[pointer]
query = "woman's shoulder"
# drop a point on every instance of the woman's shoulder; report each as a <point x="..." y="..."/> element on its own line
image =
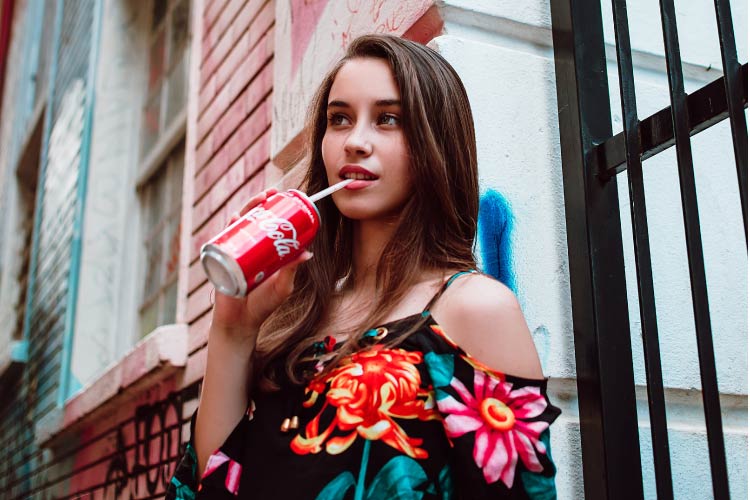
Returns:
<point x="484" y="317"/>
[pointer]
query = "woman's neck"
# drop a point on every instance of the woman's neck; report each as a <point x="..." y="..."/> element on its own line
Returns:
<point x="369" y="240"/>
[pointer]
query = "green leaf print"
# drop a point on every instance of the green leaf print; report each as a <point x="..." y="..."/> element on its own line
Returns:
<point x="537" y="486"/>
<point x="402" y="478"/>
<point x="440" y="367"/>
<point x="398" y="480"/>
<point x="338" y="488"/>
<point x="445" y="480"/>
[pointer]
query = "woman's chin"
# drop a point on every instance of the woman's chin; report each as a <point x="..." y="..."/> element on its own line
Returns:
<point x="366" y="208"/>
<point x="363" y="214"/>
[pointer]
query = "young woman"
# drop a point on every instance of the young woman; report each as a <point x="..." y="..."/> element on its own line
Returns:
<point x="379" y="364"/>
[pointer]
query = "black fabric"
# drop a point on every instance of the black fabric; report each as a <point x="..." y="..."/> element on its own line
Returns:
<point x="420" y="420"/>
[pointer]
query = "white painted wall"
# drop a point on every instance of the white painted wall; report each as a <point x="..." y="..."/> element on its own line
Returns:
<point x="503" y="51"/>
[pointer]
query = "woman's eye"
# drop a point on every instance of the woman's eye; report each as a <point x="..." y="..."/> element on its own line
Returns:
<point x="338" y="119"/>
<point x="388" y="119"/>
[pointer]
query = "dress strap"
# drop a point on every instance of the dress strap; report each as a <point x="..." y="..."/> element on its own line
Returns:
<point x="442" y="290"/>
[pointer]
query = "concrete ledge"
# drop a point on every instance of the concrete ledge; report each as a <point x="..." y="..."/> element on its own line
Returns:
<point x="157" y="356"/>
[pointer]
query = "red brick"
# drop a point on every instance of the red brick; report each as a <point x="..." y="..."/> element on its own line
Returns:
<point x="199" y="302"/>
<point x="196" y="367"/>
<point x="239" y="142"/>
<point x="426" y="27"/>
<point x="259" y="88"/>
<point x="208" y="175"/>
<point x="204" y="153"/>
<point x="259" y="33"/>
<point x="227" y="184"/>
<point x="225" y="37"/>
<point x="258" y="154"/>
<point x="249" y="131"/>
<point x="248" y="190"/>
<point x="206" y="45"/>
<point x="216" y="53"/>
<point x="198" y="332"/>
<point x="214" y="225"/>
<point x="214" y="58"/>
<point x="260" y="85"/>
<point x="219" y="28"/>
<point x="196" y="276"/>
<point x="212" y="12"/>
<point x="232" y="184"/>
<point x="244" y="38"/>
<point x="207" y="94"/>
<point x="258" y="57"/>
<point x="228" y="123"/>
<point x="201" y="212"/>
<point x="244" y="105"/>
<point x="207" y="120"/>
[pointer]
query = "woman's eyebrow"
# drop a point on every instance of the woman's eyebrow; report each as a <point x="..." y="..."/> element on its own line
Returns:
<point x="380" y="102"/>
<point x="338" y="104"/>
<point x="388" y="102"/>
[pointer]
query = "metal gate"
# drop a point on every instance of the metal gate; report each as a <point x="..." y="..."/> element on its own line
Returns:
<point x="591" y="158"/>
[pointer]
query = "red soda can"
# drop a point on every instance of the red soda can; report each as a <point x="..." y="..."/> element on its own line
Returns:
<point x="258" y="244"/>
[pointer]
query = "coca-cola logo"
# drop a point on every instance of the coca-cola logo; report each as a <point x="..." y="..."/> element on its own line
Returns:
<point x="280" y="230"/>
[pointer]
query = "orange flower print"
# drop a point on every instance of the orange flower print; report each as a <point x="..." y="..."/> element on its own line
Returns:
<point x="369" y="392"/>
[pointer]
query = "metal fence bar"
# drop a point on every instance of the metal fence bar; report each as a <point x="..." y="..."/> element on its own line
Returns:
<point x="695" y="253"/>
<point x="707" y="106"/>
<point x="606" y="393"/>
<point x="732" y="85"/>
<point x="647" y="302"/>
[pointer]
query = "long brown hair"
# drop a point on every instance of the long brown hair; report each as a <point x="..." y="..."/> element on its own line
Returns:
<point x="437" y="225"/>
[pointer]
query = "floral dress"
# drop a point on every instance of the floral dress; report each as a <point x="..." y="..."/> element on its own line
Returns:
<point x="419" y="420"/>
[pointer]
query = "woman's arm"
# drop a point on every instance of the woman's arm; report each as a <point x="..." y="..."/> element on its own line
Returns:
<point x="235" y="324"/>
<point x="492" y="397"/>
<point x="484" y="318"/>
<point x="224" y="391"/>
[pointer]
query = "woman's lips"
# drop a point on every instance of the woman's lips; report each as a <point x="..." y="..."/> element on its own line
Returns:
<point x="358" y="184"/>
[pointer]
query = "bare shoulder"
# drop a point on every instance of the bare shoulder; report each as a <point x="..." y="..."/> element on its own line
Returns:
<point x="484" y="318"/>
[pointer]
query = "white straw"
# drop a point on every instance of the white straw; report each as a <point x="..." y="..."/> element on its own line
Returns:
<point x="329" y="190"/>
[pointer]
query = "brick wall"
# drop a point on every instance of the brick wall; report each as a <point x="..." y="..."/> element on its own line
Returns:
<point x="233" y="129"/>
<point x="128" y="446"/>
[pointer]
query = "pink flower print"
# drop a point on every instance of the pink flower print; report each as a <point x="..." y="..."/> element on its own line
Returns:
<point x="498" y="415"/>
<point x="234" y="471"/>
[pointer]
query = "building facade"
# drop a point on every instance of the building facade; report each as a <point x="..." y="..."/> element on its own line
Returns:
<point x="131" y="130"/>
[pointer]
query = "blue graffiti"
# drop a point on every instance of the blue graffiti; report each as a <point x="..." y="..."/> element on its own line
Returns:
<point x="494" y="236"/>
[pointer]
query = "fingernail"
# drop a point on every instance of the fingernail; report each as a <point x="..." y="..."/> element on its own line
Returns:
<point x="309" y="255"/>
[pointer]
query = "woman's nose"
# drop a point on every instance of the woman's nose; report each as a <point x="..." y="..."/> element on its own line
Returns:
<point x="358" y="142"/>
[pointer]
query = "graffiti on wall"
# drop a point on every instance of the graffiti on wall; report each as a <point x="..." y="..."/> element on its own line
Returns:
<point x="494" y="237"/>
<point x="145" y="467"/>
<point x="310" y="35"/>
<point x="137" y="457"/>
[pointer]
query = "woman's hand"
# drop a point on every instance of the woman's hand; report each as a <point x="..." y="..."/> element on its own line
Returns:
<point x="243" y="316"/>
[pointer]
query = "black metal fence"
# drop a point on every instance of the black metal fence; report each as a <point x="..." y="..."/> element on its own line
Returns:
<point x="592" y="156"/>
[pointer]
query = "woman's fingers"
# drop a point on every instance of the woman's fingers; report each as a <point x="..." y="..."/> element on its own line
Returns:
<point x="251" y="203"/>
<point x="284" y="282"/>
<point x="256" y="200"/>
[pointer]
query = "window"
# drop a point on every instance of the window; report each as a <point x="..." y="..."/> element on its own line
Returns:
<point x="162" y="161"/>
<point x="161" y="199"/>
<point x="167" y="72"/>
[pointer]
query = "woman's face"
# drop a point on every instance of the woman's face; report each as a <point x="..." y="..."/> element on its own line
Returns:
<point x="364" y="140"/>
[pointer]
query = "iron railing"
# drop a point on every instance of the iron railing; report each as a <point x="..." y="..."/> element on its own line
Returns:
<point x="592" y="156"/>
